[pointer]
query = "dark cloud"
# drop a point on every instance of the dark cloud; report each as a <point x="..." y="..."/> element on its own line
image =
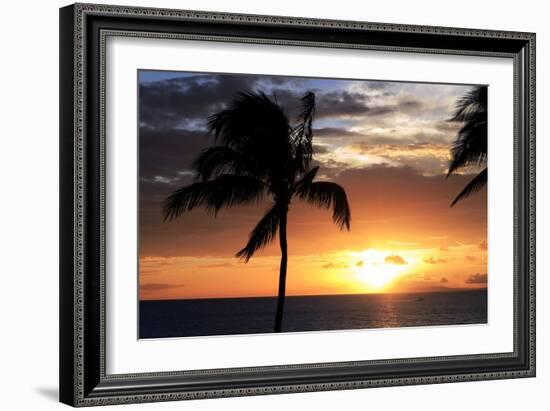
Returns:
<point x="173" y="115"/>
<point x="409" y="105"/>
<point x="341" y="103"/>
<point x="447" y="126"/>
<point x="443" y="280"/>
<point x="333" y="104"/>
<point x="477" y="279"/>
<point x="329" y="163"/>
<point x="335" y="132"/>
<point x="395" y="259"/>
<point x="168" y="153"/>
<point x="382" y="110"/>
<point x="350" y="104"/>
<point x="319" y="149"/>
<point x="188" y="101"/>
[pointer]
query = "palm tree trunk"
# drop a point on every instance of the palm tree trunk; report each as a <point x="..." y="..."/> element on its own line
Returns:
<point x="282" y="271"/>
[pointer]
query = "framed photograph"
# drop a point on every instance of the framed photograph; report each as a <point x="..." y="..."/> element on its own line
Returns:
<point x="261" y="204"/>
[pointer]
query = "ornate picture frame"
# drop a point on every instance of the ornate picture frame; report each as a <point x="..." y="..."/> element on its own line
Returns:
<point x="84" y="30"/>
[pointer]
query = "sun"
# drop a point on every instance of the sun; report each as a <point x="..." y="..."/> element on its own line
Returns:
<point x="379" y="276"/>
<point x="377" y="269"/>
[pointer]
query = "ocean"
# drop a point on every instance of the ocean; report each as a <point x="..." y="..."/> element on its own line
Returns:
<point x="202" y="317"/>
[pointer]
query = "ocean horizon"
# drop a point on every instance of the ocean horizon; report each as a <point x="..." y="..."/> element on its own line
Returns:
<point x="254" y="315"/>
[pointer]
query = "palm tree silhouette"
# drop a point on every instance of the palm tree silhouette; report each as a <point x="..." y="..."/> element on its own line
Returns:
<point x="261" y="154"/>
<point x="470" y="145"/>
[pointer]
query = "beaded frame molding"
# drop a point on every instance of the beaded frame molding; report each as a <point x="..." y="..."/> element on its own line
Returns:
<point x="84" y="29"/>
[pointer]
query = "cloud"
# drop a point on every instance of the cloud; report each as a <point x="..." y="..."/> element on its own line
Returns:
<point x="354" y="104"/>
<point x="166" y="155"/>
<point x="359" y="264"/>
<point x="164" y="180"/>
<point x="402" y="106"/>
<point x="159" y="286"/>
<point x="320" y="149"/>
<point x="476" y="279"/>
<point x="346" y="157"/>
<point x="471" y="258"/>
<point x="336" y="132"/>
<point x="187" y="101"/>
<point x="402" y="123"/>
<point x="342" y="103"/>
<point x="398" y="145"/>
<point x="395" y="259"/>
<point x="443" y="280"/>
<point x="428" y="158"/>
<point x="435" y="260"/>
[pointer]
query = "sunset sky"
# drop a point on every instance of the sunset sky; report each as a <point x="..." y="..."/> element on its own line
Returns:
<point x="386" y="143"/>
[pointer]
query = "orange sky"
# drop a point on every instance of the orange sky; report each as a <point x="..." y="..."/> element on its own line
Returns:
<point x="403" y="238"/>
<point x="403" y="231"/>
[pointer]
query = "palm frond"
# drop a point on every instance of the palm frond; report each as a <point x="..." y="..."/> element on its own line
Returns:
<point x="301" y="185"/>
<point x="258" y="127"/>
<point x="224" y="191"/>
<point x="264" y="232"/>
<point x="476" y="184"/>
<point x="327" y="194"/>
<point x="307" y="114"/>
<point x="470" y="104"/>
<point x="302" y="134"/>
<point x="250" y="119"/>
<point x="470" y="145"/>
<point x="219" y="160"/>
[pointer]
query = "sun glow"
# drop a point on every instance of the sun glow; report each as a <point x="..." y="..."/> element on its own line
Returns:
<point x="377" y="269"/>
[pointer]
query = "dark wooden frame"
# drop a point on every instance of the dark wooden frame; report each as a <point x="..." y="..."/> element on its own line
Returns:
<point x="83" y="30"/>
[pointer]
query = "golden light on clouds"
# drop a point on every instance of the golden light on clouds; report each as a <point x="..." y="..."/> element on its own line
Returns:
<point x="353" y="157"/>
<point x="377" y="269"/>
<point x="397" y="268"/>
